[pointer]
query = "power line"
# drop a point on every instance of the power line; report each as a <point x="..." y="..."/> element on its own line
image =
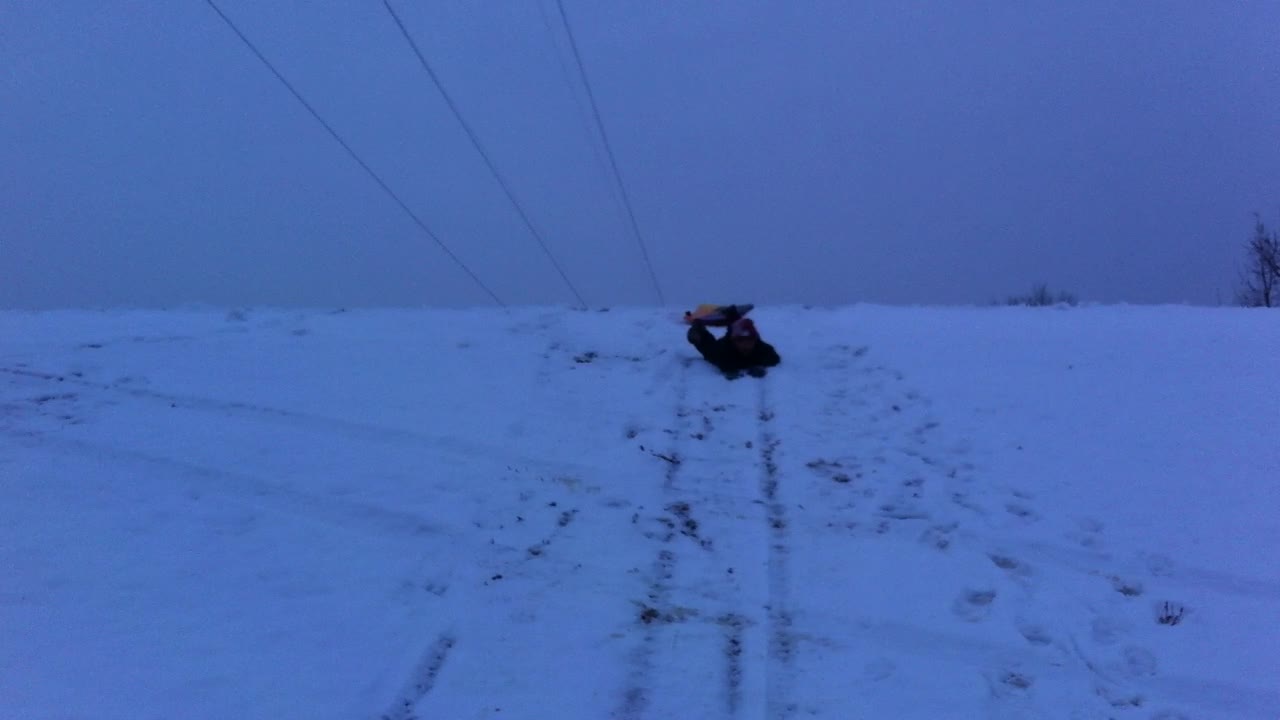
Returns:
<point x="609" y="150"/>
<point x="476" y="142"/>
<point x="596" y="152"/>
<point x="352" y="152"/>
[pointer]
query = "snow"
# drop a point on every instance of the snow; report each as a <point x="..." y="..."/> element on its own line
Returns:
<point x="548" y="513"/>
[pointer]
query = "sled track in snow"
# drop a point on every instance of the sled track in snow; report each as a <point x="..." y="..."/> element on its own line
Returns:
<point x="257" y="492"/>
<point x="354" y="429"/>
<point x="780" y="661"/>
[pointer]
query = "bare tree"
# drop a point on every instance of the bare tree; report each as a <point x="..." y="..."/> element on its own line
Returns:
<point x="1041" y="297"/>
<point x="1260" y="280"/>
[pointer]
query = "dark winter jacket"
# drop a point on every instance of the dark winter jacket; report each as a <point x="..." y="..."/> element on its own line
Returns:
<point x="725" y="355"/>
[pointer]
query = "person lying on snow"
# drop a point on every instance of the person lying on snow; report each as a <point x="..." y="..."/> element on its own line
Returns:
<point x="741" y="348"/>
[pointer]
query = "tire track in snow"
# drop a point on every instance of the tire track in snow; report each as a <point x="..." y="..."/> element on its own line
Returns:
<point x="734" y="641"/>
<point x="693" y="595"/>
<point x="780" y="661"/>
<point x="421" y="681"/>
<point x="637" y="696"/>
<point x="740" y="634"/>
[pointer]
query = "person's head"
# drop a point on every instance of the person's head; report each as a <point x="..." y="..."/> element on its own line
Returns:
<point x="743" y="334"/>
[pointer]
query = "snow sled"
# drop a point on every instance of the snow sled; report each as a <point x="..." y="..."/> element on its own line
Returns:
<point x="717" y="315"/>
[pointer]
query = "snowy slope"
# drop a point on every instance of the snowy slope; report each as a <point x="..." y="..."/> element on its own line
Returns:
<point x="544" y="513"/>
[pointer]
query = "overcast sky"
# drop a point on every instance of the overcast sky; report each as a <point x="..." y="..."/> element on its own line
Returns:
<point x="784" y="152"/>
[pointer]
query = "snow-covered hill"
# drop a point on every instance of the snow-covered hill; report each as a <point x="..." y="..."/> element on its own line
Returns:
<point x="544" y="513"/>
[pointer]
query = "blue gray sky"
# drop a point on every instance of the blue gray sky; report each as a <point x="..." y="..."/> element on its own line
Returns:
<point x="883" y="151"/>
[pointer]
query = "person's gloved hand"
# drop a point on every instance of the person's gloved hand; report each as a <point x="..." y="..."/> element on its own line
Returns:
<point x="756" y="372"/>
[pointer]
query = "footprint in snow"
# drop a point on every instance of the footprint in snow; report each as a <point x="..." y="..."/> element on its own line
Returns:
<point x="1108" y="630"/>
<point x="1011" y="565"/>
<point x="1118" y="698"/>
<point x="963" y="501"/>
<point x="1088" y="535"/>
<point x="1128" y="588"/>
<point x="1022" y="512"/>
<point x="939" y="536"/>
<point x="1016" y="680"/>
<point x="1035" y="634"/>
<point x="973" y="605"/>
<point x="1139" y="662"/>
<point x="914" y="486"/>
<point x="1087" y="541"/>
<point x="1008" y="684"/>
<point x="902" y="512"/>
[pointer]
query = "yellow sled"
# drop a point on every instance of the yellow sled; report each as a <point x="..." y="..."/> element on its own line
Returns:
<point x="717" y="315"/>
